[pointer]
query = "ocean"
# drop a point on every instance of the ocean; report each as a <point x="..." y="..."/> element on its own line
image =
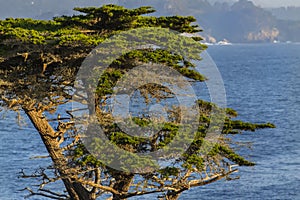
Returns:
<point x="262" y="83"/>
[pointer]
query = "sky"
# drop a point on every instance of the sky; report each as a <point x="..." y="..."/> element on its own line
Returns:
<point x="270" y="3"/>
<point x="277" y="3"/>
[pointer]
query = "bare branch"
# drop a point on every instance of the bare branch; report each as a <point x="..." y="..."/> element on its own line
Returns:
<point x="208" y="180"/>
<point x="74" y="143"/>
<point x="97" y="179"/>
<point x="102" y="187"/>
<point x="51" y="195"/>
<point x="39" y="157"/>
<point x="55" y="119"/>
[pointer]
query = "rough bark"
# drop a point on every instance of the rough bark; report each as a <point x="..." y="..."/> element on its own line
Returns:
<point x="122" y="185"/>
<point x="76" y="190"/>
<point x="172" y="195"/>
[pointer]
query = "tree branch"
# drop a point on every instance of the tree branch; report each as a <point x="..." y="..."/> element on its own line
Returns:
<point x="102" y="187"/>
<point x="196" y="183"/>
<point x="51" y="195"/>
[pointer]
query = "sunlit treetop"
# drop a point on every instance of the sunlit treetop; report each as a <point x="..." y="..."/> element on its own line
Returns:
<point x="89" y="28"/>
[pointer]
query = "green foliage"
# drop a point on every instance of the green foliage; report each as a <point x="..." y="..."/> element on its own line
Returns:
<point x="231" y="155"/>
<point x="89" y="29"/>
<point x="231" y="112"/>
<point x="107" y="81"/>
<point x="112" y="17"/>
<point x="193" y="160"/>
<point x="30" y="24"/>
<point x="177" y="23"/>
<point x="44" y="32"/>
<point x="169" y="171"/>
<point x="236" y="126"/>
<point x="190" y="73"/>
<point x="121" y="138"/>
<point x="83" y="158"/>
<point x="141" y="122"/>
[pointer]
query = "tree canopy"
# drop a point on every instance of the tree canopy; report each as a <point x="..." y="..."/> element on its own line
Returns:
<point x="39" y="63"/>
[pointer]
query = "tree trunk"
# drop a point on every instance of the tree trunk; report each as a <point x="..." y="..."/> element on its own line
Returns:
<point x="122" y="185"/>
<point x="76" y="190"/>
<point x="171" y="195"/>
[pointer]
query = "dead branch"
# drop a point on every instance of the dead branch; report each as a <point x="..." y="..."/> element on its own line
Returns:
<point x="51" y="195"/>
<point x="74" y="143"/>
<point x="56" y="119"/>
<point x="99" y="186"/>
<point x="208" y="180"/>
<point x="97" y="179"/>
<point x="40" y="173"/>
<point x="39" y="157"/>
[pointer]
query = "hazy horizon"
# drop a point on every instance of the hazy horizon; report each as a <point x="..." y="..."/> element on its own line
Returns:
<point x="33" y="8"/>
<point x="267" y="3"/>
<point x="277" y="3"/>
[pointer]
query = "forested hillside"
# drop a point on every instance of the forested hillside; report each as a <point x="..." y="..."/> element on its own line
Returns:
<point x="239" y="22"/>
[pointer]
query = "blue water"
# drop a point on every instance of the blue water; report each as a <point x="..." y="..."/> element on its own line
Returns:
<point x="262" y="83"/>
